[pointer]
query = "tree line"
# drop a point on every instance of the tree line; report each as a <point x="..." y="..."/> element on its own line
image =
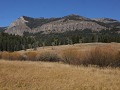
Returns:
<point x="29" y="40"/>
<point x="15" y="42"/>
<point x="77" y="36"/>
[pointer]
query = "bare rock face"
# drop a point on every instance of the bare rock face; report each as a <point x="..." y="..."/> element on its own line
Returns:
<point x="56" y="25"/>
<point x="18" y="27"/>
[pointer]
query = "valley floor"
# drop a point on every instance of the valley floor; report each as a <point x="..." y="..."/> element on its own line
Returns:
<point x="27" y="75"/>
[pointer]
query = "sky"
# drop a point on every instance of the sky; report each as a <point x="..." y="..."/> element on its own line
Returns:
<point x="10" y="10"/>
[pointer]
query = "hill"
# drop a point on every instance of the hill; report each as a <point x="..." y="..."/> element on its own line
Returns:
<point x="59" y="25"/>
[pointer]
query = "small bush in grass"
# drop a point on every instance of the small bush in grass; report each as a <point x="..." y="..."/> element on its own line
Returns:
<point x="23" y="57"/>
<point x="15" y="56"/>
<point x="0" y="55"/>
<point x="31" y="56"/>
<point x="47" y="56"/>
<point x="5" y="55"/>
<point x="116" y="63"/>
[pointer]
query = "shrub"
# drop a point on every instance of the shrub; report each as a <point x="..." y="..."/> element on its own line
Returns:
<point x="103" y="56"/>
<point x="23" y="57"/>
<point x="0" y="55"/>
<point x="71" y="56"/>
<point x="100" y="56"/>
<point x="5" y="55"/>
<point x="47" y="56"/>
<point x="116" y="63"/>
<point x="15" y="56"/>
<point x="31" y="56"/>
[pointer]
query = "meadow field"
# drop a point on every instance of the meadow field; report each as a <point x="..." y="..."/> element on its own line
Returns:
<point x="91" y="66"/>
<point x="27" y="75"/>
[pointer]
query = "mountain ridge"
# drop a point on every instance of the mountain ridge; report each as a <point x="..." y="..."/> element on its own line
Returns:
<point x="59" y="25"/>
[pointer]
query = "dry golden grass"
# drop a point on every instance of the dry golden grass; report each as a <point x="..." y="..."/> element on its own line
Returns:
<point x="81" y="47"/>
<point x="16" y="75"/>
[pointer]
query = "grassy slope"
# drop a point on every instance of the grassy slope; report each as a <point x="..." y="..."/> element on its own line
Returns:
<point x="81" y="47"/>
<point x="16" y="75"/>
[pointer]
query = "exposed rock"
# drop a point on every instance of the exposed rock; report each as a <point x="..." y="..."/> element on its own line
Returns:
<point x="70" y="25"/>
<point x="18" y="27"/>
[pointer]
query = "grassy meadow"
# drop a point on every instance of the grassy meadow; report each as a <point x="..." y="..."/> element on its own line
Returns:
<point x="17" y="75"/>
<point x="92" y="66"/>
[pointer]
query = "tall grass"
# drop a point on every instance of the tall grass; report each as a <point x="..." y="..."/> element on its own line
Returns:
<point x="56" y="76"/>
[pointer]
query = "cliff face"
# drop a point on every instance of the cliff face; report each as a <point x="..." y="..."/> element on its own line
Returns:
<point x="56" y="25"/>
<point x="18" y="27"/>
